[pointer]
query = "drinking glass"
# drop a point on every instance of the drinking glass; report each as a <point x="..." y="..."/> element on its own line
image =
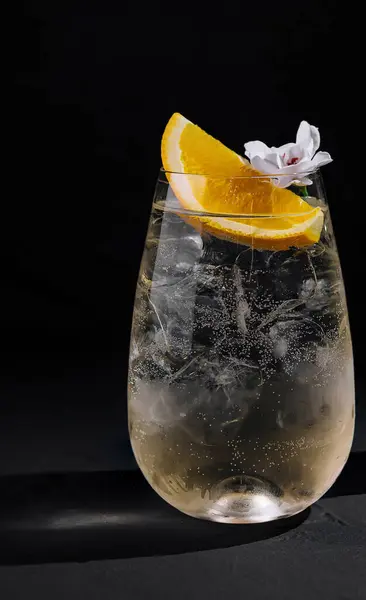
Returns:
<point x="241" y="387"/>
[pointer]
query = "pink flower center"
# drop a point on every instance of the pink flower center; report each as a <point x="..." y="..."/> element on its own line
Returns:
<point x="291" y="161"/>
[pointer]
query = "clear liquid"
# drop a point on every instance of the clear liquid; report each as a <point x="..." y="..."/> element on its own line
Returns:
<point x="241" y="397"/>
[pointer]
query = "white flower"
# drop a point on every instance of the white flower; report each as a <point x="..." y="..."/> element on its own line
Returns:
<point x="293" y="161"/>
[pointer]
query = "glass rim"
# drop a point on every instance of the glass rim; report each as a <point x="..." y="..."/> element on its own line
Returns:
<point x="206" y="214"/>
<point x="297" y="174"/>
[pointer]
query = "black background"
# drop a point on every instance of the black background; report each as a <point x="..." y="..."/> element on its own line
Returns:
<point x="95" y="84"/>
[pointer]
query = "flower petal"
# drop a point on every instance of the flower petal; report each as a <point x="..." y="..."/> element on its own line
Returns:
<point x="275" y="159"/>
<point x="283" y="181"/>
<point x="297" y="173"/>
<point x="296" y="152"/>
<point x="264" y="165"/>
<point x="306" y="181"/>
<point x="303" y="166"/>
<point x="308" y="138"/>
<point x="283" y="153"/>
<point x="269" y="168"/>
<point x="301" y="171"/>
<point x="321" y="158"/>
<point x="256" y="148"/>
<point x="284" y="149"/>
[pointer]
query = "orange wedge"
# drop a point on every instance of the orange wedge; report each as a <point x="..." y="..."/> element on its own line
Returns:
<point x="208" y="177"/>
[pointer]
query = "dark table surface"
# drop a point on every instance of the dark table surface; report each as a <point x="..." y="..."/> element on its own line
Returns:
<point x="77" y="519"/>
<point x="322" y="557"/>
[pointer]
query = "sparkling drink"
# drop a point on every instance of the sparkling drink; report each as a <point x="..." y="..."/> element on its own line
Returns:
<point x="241" y="394"/>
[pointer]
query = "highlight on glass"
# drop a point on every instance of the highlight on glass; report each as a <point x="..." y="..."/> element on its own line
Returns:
<point x="241" y="388"/>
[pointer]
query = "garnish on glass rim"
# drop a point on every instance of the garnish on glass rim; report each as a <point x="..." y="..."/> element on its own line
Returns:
<point x="228" y="185"/>
<point x="293" y="161"/>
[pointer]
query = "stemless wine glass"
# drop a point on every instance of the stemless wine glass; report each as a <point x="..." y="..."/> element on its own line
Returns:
<point x="241" y="388"/>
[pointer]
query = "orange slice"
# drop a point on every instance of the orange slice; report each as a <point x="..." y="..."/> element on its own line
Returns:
<point x="208" y="177"/>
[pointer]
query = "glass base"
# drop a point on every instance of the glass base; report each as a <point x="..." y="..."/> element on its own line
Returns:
<point x="247" y="499"/>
